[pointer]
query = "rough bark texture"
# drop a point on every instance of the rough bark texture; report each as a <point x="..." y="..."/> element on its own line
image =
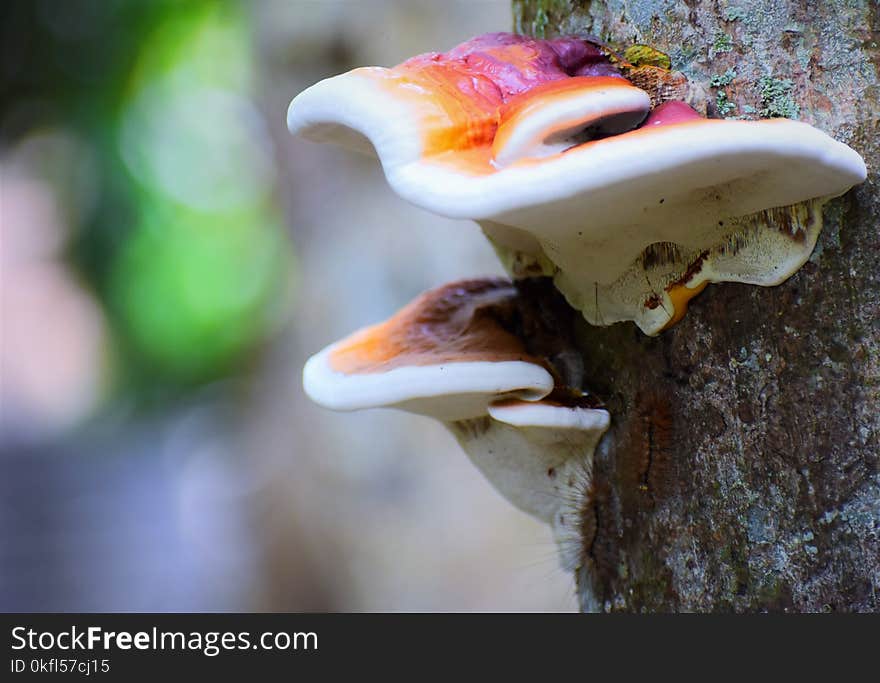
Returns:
<point x="741" y="470"/>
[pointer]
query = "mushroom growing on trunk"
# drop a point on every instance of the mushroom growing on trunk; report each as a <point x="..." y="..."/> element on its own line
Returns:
<point x="548" y="147"/>
<point x="454" y="354"/>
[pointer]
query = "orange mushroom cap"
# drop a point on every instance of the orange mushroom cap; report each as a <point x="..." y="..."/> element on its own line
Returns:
<point x="445" y="354"/>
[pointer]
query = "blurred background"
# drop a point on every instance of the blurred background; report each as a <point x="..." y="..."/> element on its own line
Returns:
<point x="170" y="258"/>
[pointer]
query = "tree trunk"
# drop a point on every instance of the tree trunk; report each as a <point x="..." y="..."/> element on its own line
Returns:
<point x="741" y="469"/>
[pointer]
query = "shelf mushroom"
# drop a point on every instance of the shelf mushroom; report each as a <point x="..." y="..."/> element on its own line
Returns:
<point x="451" y="354"/>
<point x="558" y="159"/>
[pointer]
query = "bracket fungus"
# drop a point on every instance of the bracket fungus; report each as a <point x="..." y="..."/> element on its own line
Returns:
<point x="556" y="155"/>
<point x="453" y="354"/>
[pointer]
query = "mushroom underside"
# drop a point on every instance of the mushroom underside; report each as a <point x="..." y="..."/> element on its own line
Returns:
<point x="544" y="472"/>
<point x="652" y="289"/>
<point x="491" y="361"/>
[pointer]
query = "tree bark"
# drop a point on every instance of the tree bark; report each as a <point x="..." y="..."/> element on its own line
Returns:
<point x="741" y="469"/>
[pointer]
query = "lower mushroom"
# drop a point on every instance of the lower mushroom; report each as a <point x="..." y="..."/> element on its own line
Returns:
<point x="453" y="354"/>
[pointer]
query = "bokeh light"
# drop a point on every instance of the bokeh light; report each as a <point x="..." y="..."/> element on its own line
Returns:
<point x="196" y="290"/>
<point x="170" y="258"/>
<point x="199" y="277"/>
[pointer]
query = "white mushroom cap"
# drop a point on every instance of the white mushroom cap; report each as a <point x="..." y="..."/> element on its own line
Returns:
<point x="447" y="391"/>
<point x="588" y="210"/>
<point x="606" y="200"/>
<point x="549" y="415"/>
<point x="354" y="110"/>
<point x="443" y="355"/>
<point x="718" y="200"/>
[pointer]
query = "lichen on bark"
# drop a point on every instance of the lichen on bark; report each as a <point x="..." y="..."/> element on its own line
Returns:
<point x="741" y="469"/>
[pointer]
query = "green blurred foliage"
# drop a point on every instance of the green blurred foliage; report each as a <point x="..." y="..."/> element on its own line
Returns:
<point x="195" y="290"/>
<point x="185" y="245"/>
